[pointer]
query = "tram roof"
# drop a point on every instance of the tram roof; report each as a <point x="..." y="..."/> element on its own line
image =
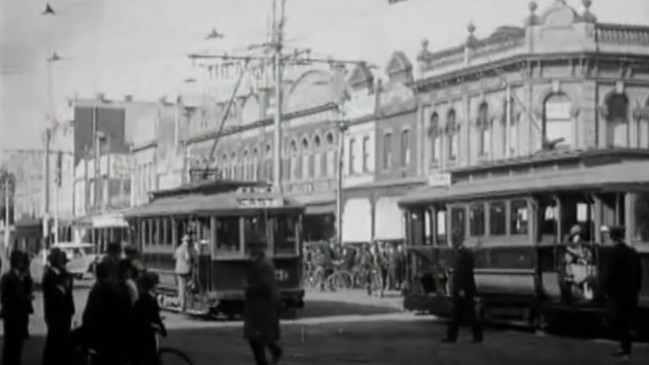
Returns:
<point x="626" y="174"/>
<point x="207" y="186"/>
<point x="225" y="203"/>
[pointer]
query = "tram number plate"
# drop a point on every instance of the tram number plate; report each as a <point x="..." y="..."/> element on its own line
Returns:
<point x="281" y="275"/>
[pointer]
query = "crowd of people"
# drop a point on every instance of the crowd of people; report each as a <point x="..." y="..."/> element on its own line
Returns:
<point x="120" y="322"/>
<point x="379" y="262"/>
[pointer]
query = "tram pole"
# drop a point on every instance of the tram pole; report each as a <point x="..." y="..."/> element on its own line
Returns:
<point x="278" y="31"/>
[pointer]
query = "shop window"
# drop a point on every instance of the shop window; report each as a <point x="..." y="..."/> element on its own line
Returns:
<point x="477" y="220"/>
<point x="497" y="218"/>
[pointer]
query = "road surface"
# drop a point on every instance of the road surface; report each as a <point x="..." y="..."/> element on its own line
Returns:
<point x="350" y="328"/>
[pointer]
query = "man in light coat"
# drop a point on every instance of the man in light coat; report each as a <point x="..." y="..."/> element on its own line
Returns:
<point x="184" y="261"/>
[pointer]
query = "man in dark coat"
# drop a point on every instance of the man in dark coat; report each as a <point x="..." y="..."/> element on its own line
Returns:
<point x="262" y="307"/>
<point x="15" y="290"/>
<point x="107" y="318"/>
<point x="58" y="303"/>
<point x="148" y="323"/>
<point x="623" y="285"/>
<point x="463" y="294"/>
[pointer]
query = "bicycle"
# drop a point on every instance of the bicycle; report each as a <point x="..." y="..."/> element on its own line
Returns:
<point x="165" y="355"/>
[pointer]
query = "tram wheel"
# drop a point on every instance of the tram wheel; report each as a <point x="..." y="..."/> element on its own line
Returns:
<point x="171" y="356"/>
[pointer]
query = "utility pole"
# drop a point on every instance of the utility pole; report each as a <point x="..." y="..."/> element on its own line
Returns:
<point x="342" y="128"/>
<point x="278" y="37"/>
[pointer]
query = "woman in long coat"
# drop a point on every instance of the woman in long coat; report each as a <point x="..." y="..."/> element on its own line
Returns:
<point x="262" y="308"/>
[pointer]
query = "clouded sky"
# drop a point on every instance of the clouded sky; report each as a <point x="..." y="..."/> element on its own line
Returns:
<point x="140" y="47"/>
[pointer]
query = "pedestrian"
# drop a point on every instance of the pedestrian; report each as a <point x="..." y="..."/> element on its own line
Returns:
<point x="262" y="307"/>
<point x="623" y="285"/>
<point x="58" y="304"/>
<point x="148" y="323"/>
<point x="16" y="297"/>
<point x="110" y="261"/>
<point x="183" y="269"/>
<point x="108" y="317"/>
<point x="463" y="293"/>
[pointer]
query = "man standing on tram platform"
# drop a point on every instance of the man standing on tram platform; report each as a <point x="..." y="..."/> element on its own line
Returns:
<point x="623" y="285"/>
<point x="183" y="269"/>
<point x="463" y="293"/>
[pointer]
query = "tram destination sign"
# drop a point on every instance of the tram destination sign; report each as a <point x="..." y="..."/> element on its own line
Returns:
<point x="252" y="202"/>
<point x="198" y="174"/>
<point x="439" y="180"/>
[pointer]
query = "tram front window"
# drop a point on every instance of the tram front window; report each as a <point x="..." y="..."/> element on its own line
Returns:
<point x="228" y="237"/>
<point x="519" y="217"/>
<point x="477" y="219"/>
<point x="285" y="234"/>
<point x="458" y="221"/>
<point x="254" y="231"/>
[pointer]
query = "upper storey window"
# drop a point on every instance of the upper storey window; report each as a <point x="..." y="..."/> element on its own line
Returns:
<point x="617" y="121"/>
<point x="483" y="125"/>
<point x="452" y="134"/>
<point x="434" y="131"/>
<point x="558" y="124"/>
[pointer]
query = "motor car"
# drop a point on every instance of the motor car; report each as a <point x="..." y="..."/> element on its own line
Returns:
<point x="81" y="259"/>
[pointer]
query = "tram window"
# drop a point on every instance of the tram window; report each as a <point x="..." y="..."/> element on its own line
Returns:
<point x="641" y="233"/>
<point x="519" y="217"/>
<point x="169" y="235"/>
<point x="497" y="219"/>
<point x="458" y="223"/>
<point x="228" y="234"/>
<point x="441" y="227"/>
<point x="156" y="232"/>
<point x="550" y="223"/>
<point x="477" y="219"/>
<point x="285" y="233"/>
<point x="254" y="229"/>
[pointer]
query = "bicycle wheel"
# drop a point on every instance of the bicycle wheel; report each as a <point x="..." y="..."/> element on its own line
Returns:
<point x="171" y="356"/>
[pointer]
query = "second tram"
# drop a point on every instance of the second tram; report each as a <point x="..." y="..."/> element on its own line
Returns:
<point x="221" y="219"/>
<point x="517" y="216"/>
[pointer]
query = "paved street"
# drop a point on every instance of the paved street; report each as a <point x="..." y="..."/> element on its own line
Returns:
<point x="350" y="328"/>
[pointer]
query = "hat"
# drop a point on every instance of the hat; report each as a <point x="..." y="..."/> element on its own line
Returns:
<point x="149" y="280"/>
<point x="55" y="255"/>
<point x="576" y="229"/>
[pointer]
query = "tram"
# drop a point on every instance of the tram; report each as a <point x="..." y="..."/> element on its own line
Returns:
<point x="516" y="215"/>
<point x="220" y="217"/>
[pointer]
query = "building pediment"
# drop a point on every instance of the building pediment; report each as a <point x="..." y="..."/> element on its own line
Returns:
<point x="361" y="77"/>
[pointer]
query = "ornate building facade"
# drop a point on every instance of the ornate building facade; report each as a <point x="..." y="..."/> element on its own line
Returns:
<point x="562" y="84"/>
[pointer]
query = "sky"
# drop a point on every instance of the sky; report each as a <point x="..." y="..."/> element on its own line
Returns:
<point x="140" y="47"/>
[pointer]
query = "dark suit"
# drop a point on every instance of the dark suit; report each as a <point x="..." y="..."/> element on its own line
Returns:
<point x="16" y="307"/>
<point x="147" y="319"/>
<point x="623" y="285"/>
<point x="463" y="294"/>
<point x="58" y="303"/>
<point x="262" y="308"/>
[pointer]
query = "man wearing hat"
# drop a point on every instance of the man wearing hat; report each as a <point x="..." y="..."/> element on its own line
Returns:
<point x="262" y="306"/>
<point x="184" y="261"/>
<point x="58" y="303"/>
<point x="16" y="296"/>
<point x="623" y="285"/>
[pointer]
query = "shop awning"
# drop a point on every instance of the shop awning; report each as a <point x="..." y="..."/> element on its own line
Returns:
<point x="624" y="175"/>
<point x="357" y="221"/>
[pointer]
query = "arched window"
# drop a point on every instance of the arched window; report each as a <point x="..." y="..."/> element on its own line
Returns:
<point x="352" y="156"/>
<point x="558" y="127"/>
<point x="329" y="163"/>
<point x="245" y="161"/>
<point x="617" y="121"/>
<point x="255" y="165"/>
<point x="234" y="169"/>
<point x="294" y="162"/>
<point x="434" y="132"/>
<point x="513" y="133"/>
<point x="225" y="171"/>
<point x="317" y="157"/>
<point x="452" y="135"/>
<point x="268" y="161"/>
<point x="483" y="125"/>
<point x="306" y="170"/>
<point x="509" y="131"/>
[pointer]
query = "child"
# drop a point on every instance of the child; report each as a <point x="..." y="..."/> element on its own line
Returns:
<point x="148" y="322"/>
